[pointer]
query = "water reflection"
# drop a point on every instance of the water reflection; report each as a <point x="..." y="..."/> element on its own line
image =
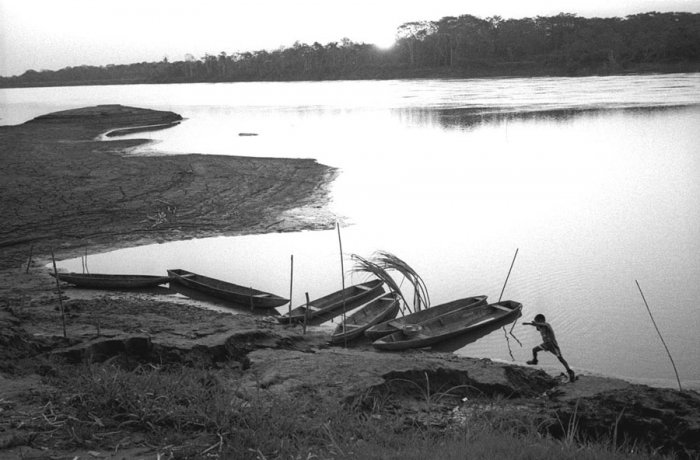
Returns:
<point x="464" y="118"/>
<point x="461" y="341"/>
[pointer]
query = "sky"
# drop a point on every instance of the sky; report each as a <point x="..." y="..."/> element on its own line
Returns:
<point x="52" y="34"/>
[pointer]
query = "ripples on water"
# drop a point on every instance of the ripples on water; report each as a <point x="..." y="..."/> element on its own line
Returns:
<point x="593" y="179"/>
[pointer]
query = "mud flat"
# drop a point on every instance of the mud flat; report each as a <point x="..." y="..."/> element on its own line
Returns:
<point x="62" y="188"/>
<point x="60" y="394"/>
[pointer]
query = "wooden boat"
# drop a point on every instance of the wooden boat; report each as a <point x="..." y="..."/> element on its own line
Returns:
<point x="389" y="327"/>
<point x="244" y="296"/>
<point x="448" y="325"/>
<point x="331" y="305"/>
<point x="373" y="312"/>
<point x="105" y="281"/>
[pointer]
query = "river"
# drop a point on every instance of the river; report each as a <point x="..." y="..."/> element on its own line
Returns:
<point x="593" y="180"/>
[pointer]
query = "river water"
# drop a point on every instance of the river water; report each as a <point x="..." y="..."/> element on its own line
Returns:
<point x="593" y="180"/>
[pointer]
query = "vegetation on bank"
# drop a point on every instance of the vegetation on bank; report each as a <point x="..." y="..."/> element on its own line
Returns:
<point x="464" y="46"/>
<point x="194" y="413"/>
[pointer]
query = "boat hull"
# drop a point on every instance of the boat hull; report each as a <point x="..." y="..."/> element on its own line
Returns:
<point x="244" y="296"/>
<point x="450" y="325"/>
<point x="331" y="305"/>
<point x="373" y="312"/>
<point x="389" y="327"/>
<point x="107" y="281"/>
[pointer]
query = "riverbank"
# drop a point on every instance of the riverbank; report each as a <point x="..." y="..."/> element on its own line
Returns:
<point x="512" y="70"/>
<point x="141" y="374"/>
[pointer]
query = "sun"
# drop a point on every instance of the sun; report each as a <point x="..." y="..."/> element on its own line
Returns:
<point x="384" y="42"/>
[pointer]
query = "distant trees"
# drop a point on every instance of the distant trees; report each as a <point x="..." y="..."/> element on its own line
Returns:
<point x="464" y="45"/>
<point x="564" y="43"/>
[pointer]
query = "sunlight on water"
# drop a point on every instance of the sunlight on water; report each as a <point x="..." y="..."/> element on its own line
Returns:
<point x="453" y="176"/>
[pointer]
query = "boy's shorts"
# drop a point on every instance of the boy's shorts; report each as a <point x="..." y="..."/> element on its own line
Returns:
<point x="550" y="347"/>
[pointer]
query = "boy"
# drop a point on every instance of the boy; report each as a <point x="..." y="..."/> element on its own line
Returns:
<point x="549" y="343"/>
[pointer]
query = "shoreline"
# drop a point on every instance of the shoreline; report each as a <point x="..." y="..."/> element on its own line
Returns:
<point x="138" y="200"/>
<point x="419" y="73"/>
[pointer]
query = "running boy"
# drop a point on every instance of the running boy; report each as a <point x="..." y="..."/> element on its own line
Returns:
<point x="549" y="343"/>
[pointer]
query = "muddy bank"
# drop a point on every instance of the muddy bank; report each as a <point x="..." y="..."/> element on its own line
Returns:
<point x="61" y="188"/>
<point x="264" y="361"/>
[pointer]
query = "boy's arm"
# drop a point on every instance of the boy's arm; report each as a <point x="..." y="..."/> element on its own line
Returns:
<point x="535" y="323"/>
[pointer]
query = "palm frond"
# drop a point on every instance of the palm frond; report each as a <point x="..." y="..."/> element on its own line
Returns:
<point x="389" y="261"/>
<point x="367" y="266"/>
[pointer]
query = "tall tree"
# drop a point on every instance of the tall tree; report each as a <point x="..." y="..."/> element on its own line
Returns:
<point x="411" y="34"/>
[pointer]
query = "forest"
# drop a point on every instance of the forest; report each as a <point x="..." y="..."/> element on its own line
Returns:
<point x="462" y="46"/>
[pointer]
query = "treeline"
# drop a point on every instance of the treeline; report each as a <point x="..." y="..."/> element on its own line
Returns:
<point x="452" y="46"/>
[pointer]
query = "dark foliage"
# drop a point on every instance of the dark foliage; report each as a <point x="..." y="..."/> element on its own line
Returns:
<point x="450" y="47"/>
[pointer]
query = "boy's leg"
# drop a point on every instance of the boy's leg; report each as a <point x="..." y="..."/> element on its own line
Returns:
<point x="557" y="353"/>
<point x="566" y="365"/>
<point x="535" y="350"/>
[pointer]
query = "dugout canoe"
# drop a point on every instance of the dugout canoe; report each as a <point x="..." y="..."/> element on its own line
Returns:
<point x="244" y="296"/>
<point x="449" y="325"/>
<point x="373" y="312"/>
<point x="108" y="281"/>
<point x="331" y="305"/>
<point x="397" y="324"/>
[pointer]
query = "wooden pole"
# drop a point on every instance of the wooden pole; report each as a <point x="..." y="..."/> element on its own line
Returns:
<point x="509" y="270"/>
<point x="306" y="313"/>
<point x="60" y="295"/>
<point x="252" y="307"/>
<point x="342" y="277"/>
<point x="660" y="336"/>
<point x="291" y="284"/>
<point x="499" y="299"/>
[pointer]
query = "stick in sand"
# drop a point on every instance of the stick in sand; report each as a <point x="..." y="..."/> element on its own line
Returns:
<point x="60" y="295"/>
<point x="306" y="313"/>
<point x="291" y="284"/>
<point x="342" y="276"/>
<point x="660" y="336"/>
